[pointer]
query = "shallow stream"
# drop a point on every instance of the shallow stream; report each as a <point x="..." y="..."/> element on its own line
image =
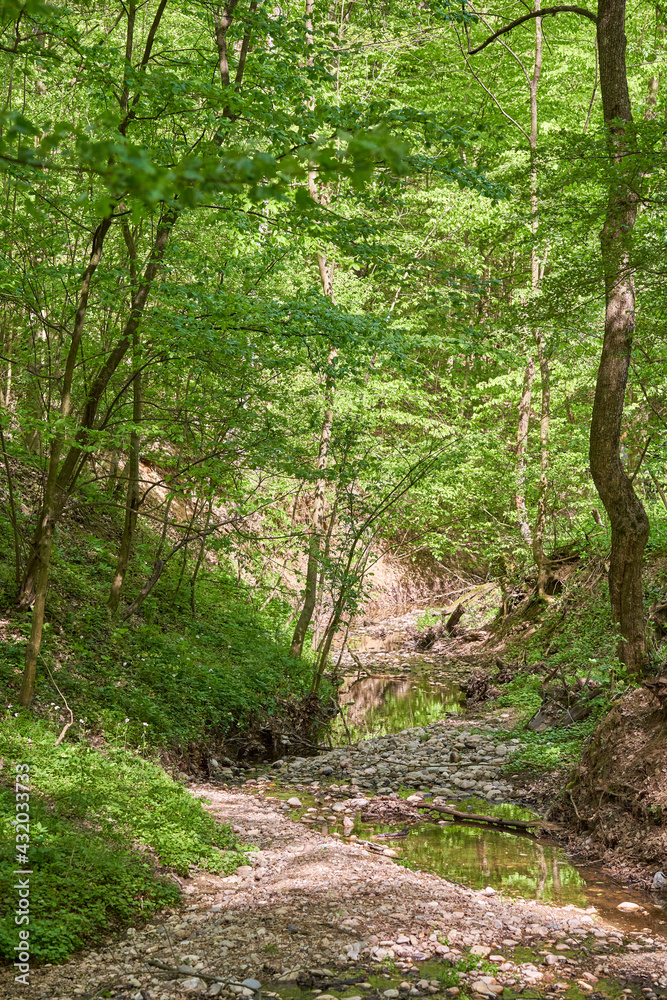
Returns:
<point x="399" y="689"/>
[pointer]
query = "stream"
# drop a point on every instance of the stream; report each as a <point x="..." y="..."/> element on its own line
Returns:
<point x="392" y="690"/>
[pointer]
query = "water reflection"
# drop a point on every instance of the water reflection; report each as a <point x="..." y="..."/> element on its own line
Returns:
<point x="387" y="704"/>
<point x="514" y="865"/>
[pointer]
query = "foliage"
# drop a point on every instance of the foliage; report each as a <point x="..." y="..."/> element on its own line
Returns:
<point x="170" y="680"/>
<point x="101" y="820"/>
<point x="554" y="748"/>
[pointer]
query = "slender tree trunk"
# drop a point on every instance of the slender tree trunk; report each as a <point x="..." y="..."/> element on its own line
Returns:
<point x="629" y="523"/>
<point x="541" y="518"/>
<point x="133" y="496"/>
<point x="315" y="541"/>
<point x="186" y="540"/>
<point x="60" y="479"/>
<point x="200" y="557"/>
<point x="76" y="456"/>
<point x="43" y="542"/>
<point x="521" y="442"/>
<point x="529" y="373"/>
<point x="545" y="374"/>
<point x="158" y="566"/>
<point x="320" y="585"/>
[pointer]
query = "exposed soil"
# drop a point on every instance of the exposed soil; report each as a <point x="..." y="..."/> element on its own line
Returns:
<point x="616" y="801"/>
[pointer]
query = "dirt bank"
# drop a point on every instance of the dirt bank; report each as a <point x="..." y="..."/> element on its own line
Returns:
<point x="616" y="799"/>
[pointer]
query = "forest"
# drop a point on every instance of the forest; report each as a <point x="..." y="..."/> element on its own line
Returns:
<point x="332" y="353"/>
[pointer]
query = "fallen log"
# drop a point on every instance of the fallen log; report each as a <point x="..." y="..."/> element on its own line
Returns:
<point x="526" y="825"/>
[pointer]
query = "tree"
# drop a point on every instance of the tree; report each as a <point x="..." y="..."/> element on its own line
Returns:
<point x="629" y="523"/>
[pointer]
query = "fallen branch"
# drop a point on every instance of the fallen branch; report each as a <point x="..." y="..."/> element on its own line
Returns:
<point x="370" y="846"/>
<point x="187" y="970"/>
<point x="71" y="713"/>
<point x="399" y="835"/>
<point x="527" y="825"/>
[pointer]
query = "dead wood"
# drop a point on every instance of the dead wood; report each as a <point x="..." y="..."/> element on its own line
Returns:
<point x="527" y="825"/>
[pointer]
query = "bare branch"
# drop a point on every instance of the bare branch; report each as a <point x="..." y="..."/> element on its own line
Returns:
<point x="535" y="13"/>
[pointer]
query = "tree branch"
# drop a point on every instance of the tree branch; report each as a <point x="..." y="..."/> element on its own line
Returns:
<point x="527" y="17"/>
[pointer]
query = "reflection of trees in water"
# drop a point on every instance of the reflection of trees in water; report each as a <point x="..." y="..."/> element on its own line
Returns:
<point x="515" y="864"/>
<point x="371" y="693"/>
<point x="401" y="700"/>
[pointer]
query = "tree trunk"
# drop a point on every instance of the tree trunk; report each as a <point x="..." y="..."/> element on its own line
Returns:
<point x="545" y="374"/>
<point x="200" y="557"/>
<point x="541" y="518"/>
<point x="521" y="442"/>
<point x="38" y="567"/>
<point x="315" y="542"/>
<point x="314" y="545"/>
<point x="629" y="523"/>
<point x="60" y="479"/>
<point x="133" y="498"/>
<point x="76" y="456"/>
<point x="41" y="580"/>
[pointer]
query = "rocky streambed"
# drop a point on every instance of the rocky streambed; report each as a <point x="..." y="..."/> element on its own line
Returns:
<point x="444" y="758"/>
<point x="311" y="917"/>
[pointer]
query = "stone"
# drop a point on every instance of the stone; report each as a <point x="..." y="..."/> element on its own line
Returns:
<point x="194" y="985"/>
<point x="214" y="989"/>
<point x="480" y="949"/>
<point x="482" y="988"/>
<point x="252" y="984"/>
<point x="659" y="881"/>
<point x="391" y="994"/>
<point x="294" y="802"/>
<point x="628" y="907"/>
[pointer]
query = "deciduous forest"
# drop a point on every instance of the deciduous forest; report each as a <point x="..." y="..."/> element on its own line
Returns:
<point x="333" y="411"/>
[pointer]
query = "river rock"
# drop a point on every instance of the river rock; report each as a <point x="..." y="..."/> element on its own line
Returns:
<point x="194" y="985"/>
<point x="485" y="989"/>
<point x="628" y="907"/>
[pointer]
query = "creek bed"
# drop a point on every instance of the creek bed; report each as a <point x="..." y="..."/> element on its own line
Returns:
<point x="402" y="691"/>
